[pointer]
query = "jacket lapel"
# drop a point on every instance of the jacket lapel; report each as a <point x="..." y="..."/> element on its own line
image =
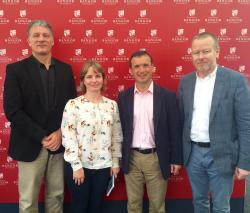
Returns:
<point x="190" y="95"/>
<point x="36" y="78"/>
<point x="57" y="83"/>
<point x="218" y="91"/>
<point x="130" y="105"/>
<point x="156" y="105"/>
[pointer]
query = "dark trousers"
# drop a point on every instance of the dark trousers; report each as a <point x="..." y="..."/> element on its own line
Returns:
<point x="88" y="197"/>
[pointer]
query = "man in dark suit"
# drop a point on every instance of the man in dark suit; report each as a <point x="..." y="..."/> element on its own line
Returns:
<point x="215" y="109"/>
<point x="151" y="148"/>
<point x="36" y="90"/>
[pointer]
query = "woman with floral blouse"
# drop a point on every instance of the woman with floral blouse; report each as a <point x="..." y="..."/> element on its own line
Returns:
<point x="92" y="136"/>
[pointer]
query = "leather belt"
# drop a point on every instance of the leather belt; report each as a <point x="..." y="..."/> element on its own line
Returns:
<point x="202" y="144"/>
<point x="144" y="151"/>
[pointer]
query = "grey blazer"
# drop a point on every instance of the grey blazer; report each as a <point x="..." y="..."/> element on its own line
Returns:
<point x="229" y="119"/>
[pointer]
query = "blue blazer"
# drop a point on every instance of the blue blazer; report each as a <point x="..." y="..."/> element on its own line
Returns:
<point x="229" y="119"/>
<point x="167" y="128"/>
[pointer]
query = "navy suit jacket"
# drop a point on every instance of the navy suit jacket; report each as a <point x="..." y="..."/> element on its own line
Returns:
<point x="24" y="106"/>
<point x="229" y="119"/>
<point x="167" y="127"/>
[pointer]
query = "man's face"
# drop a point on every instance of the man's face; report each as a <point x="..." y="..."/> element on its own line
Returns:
<point x="204" y="55"/>
<point x="142" y="69"/>
<point x="40" y="40"/>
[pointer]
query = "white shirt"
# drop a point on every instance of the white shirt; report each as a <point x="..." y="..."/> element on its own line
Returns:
<point x="203" y="95"/>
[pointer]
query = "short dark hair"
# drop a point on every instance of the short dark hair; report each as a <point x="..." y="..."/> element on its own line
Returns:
<point x="207" y="35"/>
<point x="139" y="53"/>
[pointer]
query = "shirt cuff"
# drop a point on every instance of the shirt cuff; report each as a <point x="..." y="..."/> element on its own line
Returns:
<point x="115" y="163"/>
<point x="76" y="165"/>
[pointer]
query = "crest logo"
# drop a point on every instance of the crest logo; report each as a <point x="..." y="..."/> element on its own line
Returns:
<point x="22" y="13"/>
<point x="202" y="30"/>
<point x="66" y="33"/>
<point x="191" y="12"/>
<point x="12" y="33"/>
<point x="232" y="50"/>
<point x="223" y="31"/>
<point x="243" y="31"/>
<point x="99" y="52"/>
<point x="121" y="51"/>
<point x="2" y="52"/>
<point x="78" y="51"/>
<point x="121" y="13"/>
<point x="180" y="31"/>
<point x="1" y="13"/>
<point x="178" y="69"/>
<point x="9" y="159"/>
<point x="88" y="33"/>
<point x="110" y="33"/>
<point x="1" y="175"/>
<point x="110" y="70"/>
<point x="153" y="32"/>
<point x="25" y="52"/>
<point x="143" y="13"/>
<point x="7" y="124"/>
<point x="235" y="12"/>
<point x="99" y="13"/>
<point x="189" y="50"/>
<point x="242" y="68"/>
<point x="77" y="13"/>
<point x="213" y="12"/>
<point x="131" y="33"/>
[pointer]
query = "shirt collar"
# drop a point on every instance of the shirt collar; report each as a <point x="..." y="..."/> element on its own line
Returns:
<point x="150" y="89"/>
<point x="210" y="75"/>
<point x="41" y="65"/>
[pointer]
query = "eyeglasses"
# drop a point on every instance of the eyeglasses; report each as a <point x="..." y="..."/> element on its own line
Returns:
<point x="203" y="52"/>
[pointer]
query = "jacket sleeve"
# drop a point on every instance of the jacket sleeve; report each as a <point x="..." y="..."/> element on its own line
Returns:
<point x="175" y="131"/>
<point x="73" y="93"/>
<point x="116" y="138"/>
<point x="242" y="118"/>
<point x="14" y="108"/>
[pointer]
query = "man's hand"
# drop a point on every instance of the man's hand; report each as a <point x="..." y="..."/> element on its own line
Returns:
<point x="53" y="141"/>
<point x="78" y="176"/>
<point x="175" y="169"/>
<point x="241" y="173"/>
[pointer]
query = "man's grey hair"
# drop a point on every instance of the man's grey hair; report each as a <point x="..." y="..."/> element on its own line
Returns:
<point x="41" y="23"/>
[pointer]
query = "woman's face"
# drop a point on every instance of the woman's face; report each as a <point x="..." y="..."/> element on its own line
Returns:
<point x="93" y="81"/>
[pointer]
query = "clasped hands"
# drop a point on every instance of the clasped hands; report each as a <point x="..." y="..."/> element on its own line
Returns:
<point x="53" y="141"/>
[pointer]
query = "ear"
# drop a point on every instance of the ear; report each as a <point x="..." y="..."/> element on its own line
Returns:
<point x="28" y="41"/>
<point x="217" y="54"/>
<point x="154" y="69"/>
<point x="130" y="71"/>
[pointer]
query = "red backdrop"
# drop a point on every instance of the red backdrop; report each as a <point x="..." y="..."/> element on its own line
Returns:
<point x="109" y="31"/>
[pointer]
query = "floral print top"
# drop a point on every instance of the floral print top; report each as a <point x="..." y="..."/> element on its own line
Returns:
<point x="91" y="133"/>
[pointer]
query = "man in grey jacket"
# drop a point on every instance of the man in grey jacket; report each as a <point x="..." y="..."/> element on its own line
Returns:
<point x="215" y="110"/>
